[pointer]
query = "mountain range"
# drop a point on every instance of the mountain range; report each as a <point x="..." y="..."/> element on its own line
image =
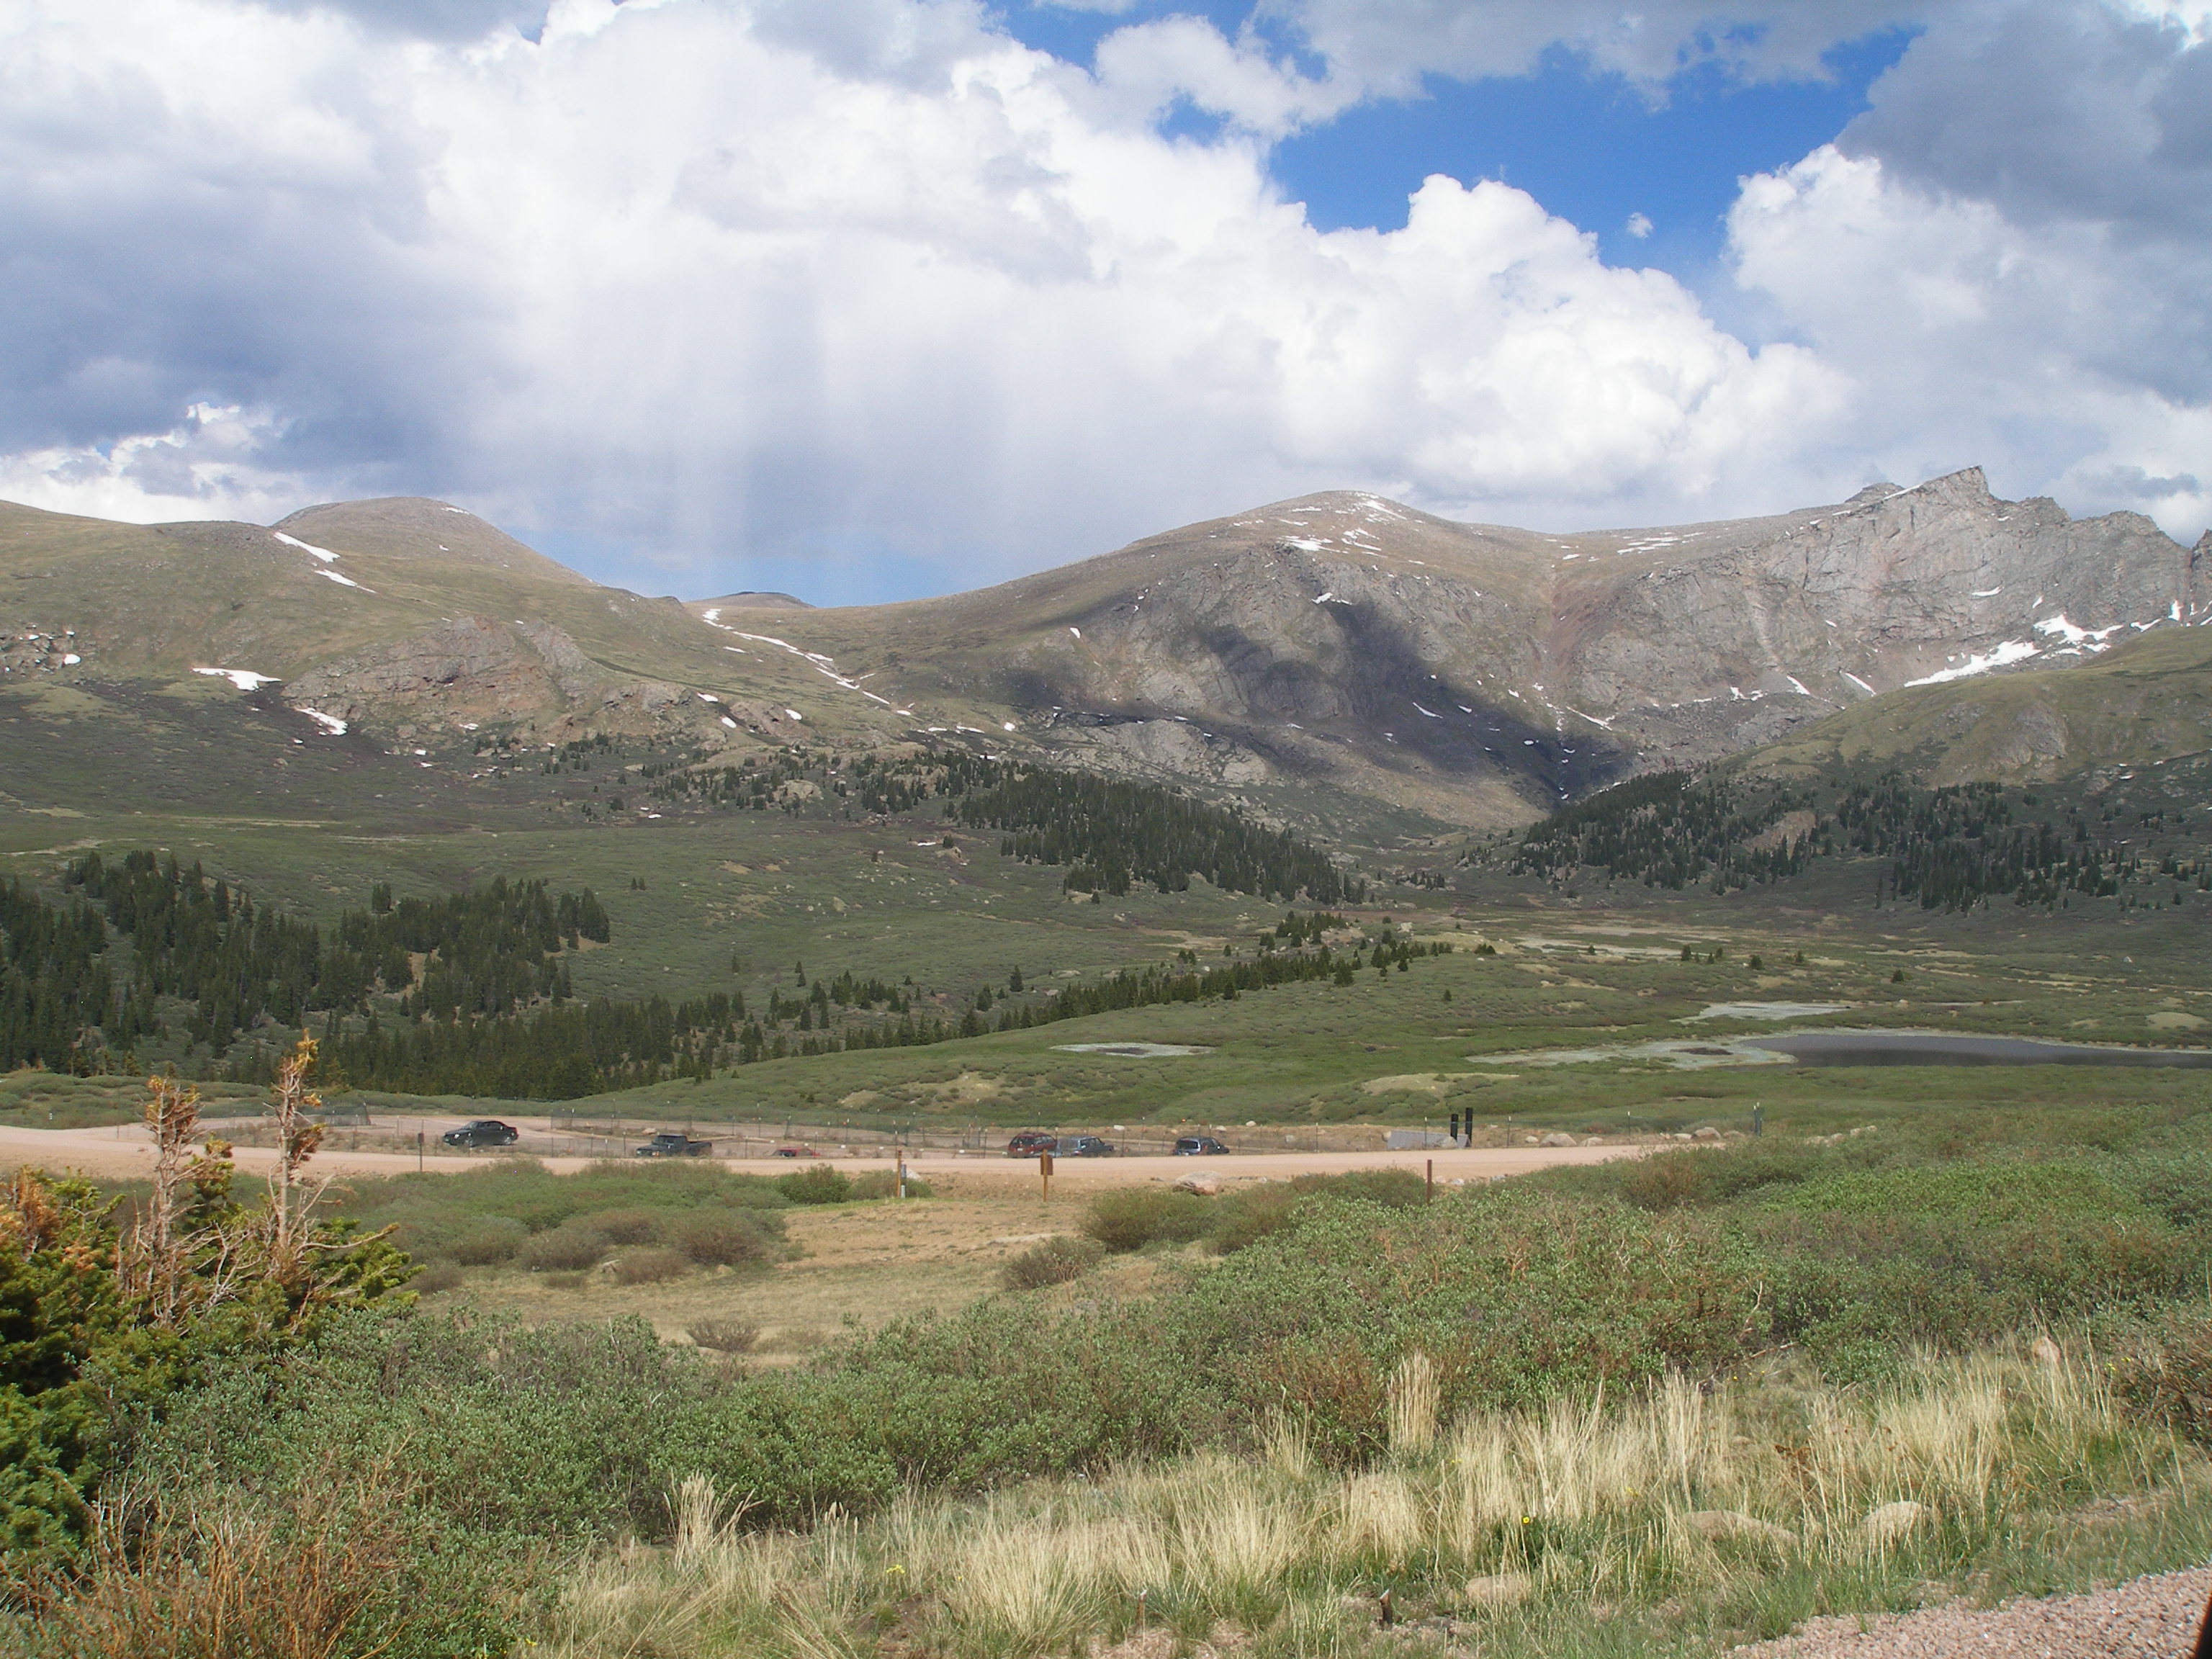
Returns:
<point x="1339" y="646"/>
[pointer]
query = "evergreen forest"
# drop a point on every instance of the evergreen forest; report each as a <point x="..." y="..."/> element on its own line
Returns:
<point x="1950" y="847"/>
<point x="1107" y="832"/>
<point x="471" y="993"/>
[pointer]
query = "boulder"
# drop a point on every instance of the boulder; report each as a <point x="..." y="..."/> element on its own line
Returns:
<point x="1735" y="1527"/>
<point x="1887" y="1523"/>
<point x="1707" y="1133"/>
<point x="1206" y="1185"/>
<point x="1555" y="1139"/>
<point x="1593" y="1141"/>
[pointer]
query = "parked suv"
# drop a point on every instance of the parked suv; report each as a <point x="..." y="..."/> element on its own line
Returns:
<point x="1198" y="1146"/>
<point x="483" y="1132"/>
<point x="1082" y="1146"/>
<point x="1029" y="1143"/>
<point x="674" y="1143"/>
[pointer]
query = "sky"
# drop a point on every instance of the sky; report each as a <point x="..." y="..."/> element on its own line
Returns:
<point x="865" y="300"/>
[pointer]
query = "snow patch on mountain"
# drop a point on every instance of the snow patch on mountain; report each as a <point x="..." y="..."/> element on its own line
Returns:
<point x="322" y="553"/>
<point x="244" y="678"/>
<point x="2010" y="652"/>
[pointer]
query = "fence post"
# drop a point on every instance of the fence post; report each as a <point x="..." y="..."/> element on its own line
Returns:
<point x="1044" y="1168"/>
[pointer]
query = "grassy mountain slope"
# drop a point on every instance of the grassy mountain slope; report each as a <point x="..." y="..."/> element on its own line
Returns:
<point x="412" y="618"/>
<point x="1365" y="669"/>
<point x="2147" y="702"/>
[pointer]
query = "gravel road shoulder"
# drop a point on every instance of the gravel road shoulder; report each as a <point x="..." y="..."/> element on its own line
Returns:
<point x="2154" y="1617"/>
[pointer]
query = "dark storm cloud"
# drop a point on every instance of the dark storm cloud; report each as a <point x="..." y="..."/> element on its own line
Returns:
<point x="2054" y="111"/>
<point x="2074" y="119"/>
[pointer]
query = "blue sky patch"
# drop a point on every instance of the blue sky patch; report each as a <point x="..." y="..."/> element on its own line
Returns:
<point x="1591" y="148"/>
<point x="1653" y="180"/>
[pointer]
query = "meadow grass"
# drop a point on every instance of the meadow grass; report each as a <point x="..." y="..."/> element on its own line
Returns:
<point x="1740" y="1507"/>
<point x="735" y="902"/>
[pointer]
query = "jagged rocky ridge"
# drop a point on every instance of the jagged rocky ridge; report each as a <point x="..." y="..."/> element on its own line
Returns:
<point x="1479" y="673"/>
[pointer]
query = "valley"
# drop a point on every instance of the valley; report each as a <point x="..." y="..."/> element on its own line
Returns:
<point x="1293" y="831"/>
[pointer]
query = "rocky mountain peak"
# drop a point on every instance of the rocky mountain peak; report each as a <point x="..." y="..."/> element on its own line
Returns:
<point x="1879" y="491"/>
<point x="1481" y="671"/>
<point x="1338" y="646"/>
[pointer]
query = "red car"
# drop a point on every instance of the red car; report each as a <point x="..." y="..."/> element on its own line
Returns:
<point x="1029" y="1143"/>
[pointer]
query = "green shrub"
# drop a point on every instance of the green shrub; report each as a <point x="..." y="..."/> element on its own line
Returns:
<point x="541" y="1435"/>
<point x="627" y="1226"/>
<point x="792" y="1446"/>
<point x="1668" y="1180"/>
<point x="1393" y="1189"/>
<point x="733" y="1238"/>
<point x="2164" y="1369"/>
<point x="486" y="1241"/>
<point x="567" y="1248"/>
<point x="1250" y="1213"/>
<point x="725" y="1335"/>
<point x="1055" y="1261"/>
<point x="996" y="1394"/>
<point x="816" y="1184"/>
<point x="2181" y="1191"/>
<point x="83" y="1361"/>
<point x="431" y="1208"/>
<point x="1130" y="1218"/>
<point x="650" y="1265"/>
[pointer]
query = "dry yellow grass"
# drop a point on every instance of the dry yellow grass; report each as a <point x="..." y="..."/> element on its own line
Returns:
<point x="858" y="1264"/>
<point x="1675" y="1492"/>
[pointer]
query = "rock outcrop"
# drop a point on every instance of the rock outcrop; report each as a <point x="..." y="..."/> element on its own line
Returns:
<point x="1486" y="672"/>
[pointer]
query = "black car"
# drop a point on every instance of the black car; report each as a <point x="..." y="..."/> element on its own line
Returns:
<point x="1081" y="1146"/>
<point x="483" y="1132"/>
<point x="1199" y="1147"/>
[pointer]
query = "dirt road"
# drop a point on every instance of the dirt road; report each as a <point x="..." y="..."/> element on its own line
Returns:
<point x="123" y="1151"/>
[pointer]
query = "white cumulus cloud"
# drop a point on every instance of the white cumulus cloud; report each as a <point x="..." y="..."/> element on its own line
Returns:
<point x="692" y="280"/>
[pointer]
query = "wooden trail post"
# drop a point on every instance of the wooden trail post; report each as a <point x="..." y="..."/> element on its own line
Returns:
<point x="1429" y="1191"/>
<point x="1044" y="1169"/>
<point x="418" y="1151"/>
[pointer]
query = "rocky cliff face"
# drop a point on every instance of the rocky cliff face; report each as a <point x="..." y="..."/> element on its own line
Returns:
<point x="1477" y="672"/>
<point x="1482" y="672"/>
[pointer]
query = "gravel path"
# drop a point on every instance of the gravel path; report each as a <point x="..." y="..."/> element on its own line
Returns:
<point x="126" y="1151"/>
<point x="2154" y="1617"/>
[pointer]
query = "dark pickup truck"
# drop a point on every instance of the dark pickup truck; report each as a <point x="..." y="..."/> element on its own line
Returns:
<point x="671" y="1142"/>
